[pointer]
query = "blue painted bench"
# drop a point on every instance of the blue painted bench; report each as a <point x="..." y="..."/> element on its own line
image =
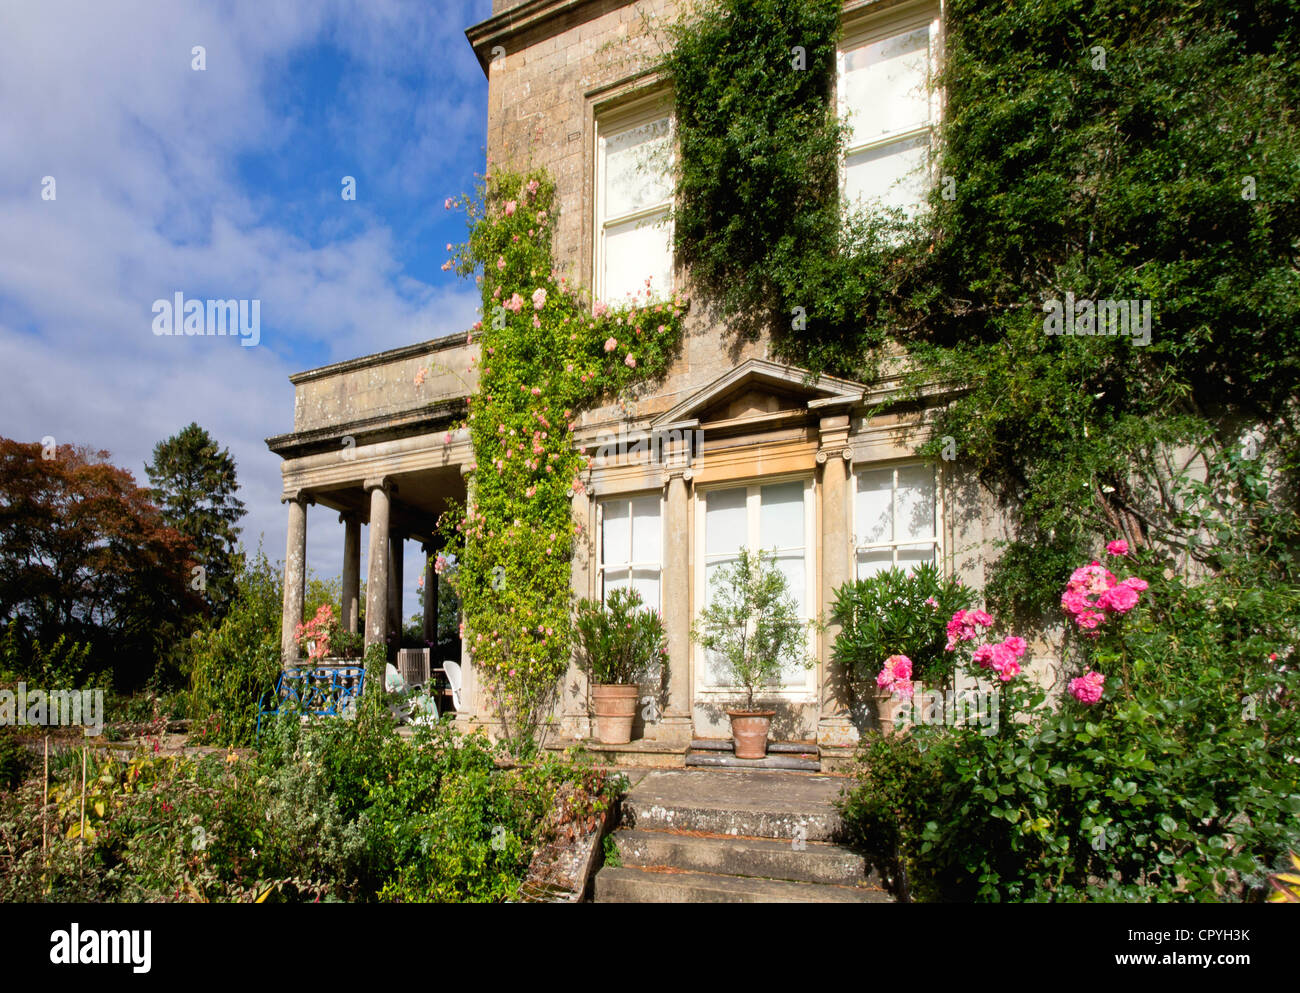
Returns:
<point x="325" y="690"/>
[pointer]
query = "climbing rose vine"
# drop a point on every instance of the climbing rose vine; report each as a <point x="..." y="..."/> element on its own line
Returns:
<point x="546" y="354"/>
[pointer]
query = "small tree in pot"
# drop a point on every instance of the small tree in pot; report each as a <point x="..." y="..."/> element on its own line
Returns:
<point x="620" y="644"/>
<point x="752" y="624"/>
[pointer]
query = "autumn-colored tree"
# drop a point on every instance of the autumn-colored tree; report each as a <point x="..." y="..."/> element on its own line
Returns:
<point x="84" y="552"/>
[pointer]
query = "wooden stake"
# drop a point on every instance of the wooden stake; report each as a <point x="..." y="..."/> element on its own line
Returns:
<point x="81" y="840"/>
<point x="45" y="796"/>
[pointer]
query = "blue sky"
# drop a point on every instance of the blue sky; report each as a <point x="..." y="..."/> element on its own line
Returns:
<point x="225" y="183"/>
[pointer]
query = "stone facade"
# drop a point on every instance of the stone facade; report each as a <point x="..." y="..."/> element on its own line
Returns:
<point x="375" y="446"/>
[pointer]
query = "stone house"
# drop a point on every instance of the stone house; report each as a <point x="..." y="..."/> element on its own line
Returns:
<point x="732" y="449"/>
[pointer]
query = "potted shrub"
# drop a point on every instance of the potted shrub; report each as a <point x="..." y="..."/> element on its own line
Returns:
<point x="620" y="644"/>
<point x="893" y="632"/>
<point x="752" y="625"/>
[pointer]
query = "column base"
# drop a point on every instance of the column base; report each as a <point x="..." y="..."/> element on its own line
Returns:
<point x="669" y="730"/>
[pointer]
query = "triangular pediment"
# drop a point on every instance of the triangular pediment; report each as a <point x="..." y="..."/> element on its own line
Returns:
<point x="758" y="387"/>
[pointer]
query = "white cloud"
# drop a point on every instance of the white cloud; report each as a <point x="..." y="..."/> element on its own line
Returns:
<point x="145" y="153"/>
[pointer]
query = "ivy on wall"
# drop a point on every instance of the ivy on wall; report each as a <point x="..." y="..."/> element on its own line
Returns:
<point x="1114" y="150"/>
<point x="547" y="354"/>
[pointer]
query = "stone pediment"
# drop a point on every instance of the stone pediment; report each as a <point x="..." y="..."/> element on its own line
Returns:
<point x="758" y="388"/>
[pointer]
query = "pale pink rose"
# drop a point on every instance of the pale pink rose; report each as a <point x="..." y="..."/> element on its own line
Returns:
<point x="515" y="303"/>
<point x="610" y="344"/>
<point x="532" y="187"/>
<point x="539" y="298"/>
<point x="600" y="310"/>
<point x="511" y="205"/>
<point x="501" y="262"/>
<point x="630" y="361"/>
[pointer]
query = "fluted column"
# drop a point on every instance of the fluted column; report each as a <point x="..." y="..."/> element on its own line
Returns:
<point x="295" y="574"/>
<point x="834" y="726"/>
<point x="351" y="607"/>
<point x="380" y="491"/>
<point x="676" y="587"/>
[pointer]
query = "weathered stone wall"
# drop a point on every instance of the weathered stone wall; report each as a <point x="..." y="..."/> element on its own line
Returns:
<point x="384" y="385"/>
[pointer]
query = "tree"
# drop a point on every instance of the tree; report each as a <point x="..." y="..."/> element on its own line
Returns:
<point x="84" y="552"/>
<point x="194" y="485"/>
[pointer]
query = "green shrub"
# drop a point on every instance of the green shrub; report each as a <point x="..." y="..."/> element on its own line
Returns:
<point x="619" y="641"/>
<point x="231" y="665"/>
<point x="897" y="613"/>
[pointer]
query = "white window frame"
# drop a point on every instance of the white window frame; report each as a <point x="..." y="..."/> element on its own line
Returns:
<point x="863" y="30"/>
<point x="629" y="566"/>
<point x="625" y="118"/>
<point x="895" y="543"/>
<point x="804" y="689"/>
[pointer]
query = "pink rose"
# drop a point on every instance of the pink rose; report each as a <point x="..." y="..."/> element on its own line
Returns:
<point x="1087" y="688"/>
<point x="1120" y="600"/>
<point x="1016" y="645"/>
<point x="600" y="310"/>
<point x="1117" y="547"/>
<point x="539" y="298"/>
<point x="630" y="361"/>
<point x="610" y="344"/>
<point x="510" y="207"/>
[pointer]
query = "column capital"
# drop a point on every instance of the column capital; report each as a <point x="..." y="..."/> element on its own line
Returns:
<point x="432" y="547"/>
<point x="845" y="453"/>
<point x="301" y="496"/>
<point x="685" y="473"/>
<point x="384" y="483"/>
<point x="349" y="515"/>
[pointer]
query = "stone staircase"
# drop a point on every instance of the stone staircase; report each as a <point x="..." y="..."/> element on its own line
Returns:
<point x="719" y="753"/>
<point x="723" y="836"/>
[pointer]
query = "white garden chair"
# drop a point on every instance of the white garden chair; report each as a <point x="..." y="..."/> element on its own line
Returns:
<point x="452" y="669"/>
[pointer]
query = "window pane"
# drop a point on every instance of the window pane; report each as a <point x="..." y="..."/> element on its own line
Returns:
<point x="615" y="579"/>
<point x="647" y="541"/>
<point x="634" y="252"/>
<point x="910" y="556"/>
<point x="891" y="175"/>
<point x="616" y="533"/>
<point x="873" y="562"/>
<point x="638" y="168"/>
<point x="874" y="508"/>
<point x="646" y="582"/>
<point x="781" y="520"/>
<point x="885" y="86"/>
<point x="914" y="503"/>
<point x="726" y="522"/>
<point x="796" y="577"/>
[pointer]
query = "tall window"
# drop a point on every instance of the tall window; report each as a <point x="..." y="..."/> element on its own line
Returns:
<point x="896" y="518"/>
<point x="631" y="547"/>
<point x="886" y="90"/>
<point x="634" y="189"/>
<point x="775" y="518"/>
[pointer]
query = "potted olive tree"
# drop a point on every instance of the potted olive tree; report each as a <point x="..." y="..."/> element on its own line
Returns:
<point x="752" y="625"/>
<point x="620" y="645"/>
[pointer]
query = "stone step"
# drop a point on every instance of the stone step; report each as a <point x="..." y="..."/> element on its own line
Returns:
<point x="725" y="760"/>
<point x="796" y="861"/>
<point x="781" y="747"/>
<point x="752" y="803"/>
<point x="627" y="884"/>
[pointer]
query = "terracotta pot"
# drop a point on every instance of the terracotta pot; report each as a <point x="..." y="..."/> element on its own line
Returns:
<point x="615" y="706"/>
<point x="749" y="732"/>
<point x="886" y="710"/>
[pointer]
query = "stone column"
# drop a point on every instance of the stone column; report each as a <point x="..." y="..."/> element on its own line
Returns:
<point x="473" y="708"/>
<point x="834" y="726"/>
<point x="396" y="570"/>
<point x="380" y="491"/>
<point x="574" y="714"/>
<point x="295" y="574"/>
<point x="676" y="593"/>
<point x="351" y="608"/>
<point x="431" y="600"/>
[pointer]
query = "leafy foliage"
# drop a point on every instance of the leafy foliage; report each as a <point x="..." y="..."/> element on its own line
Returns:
<point x="752" y="623"/>
<point x="547" y="354"/>
<point x="897" y="613"/>
<point x="619" y="641"/>
<point x="85" y="554"/>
